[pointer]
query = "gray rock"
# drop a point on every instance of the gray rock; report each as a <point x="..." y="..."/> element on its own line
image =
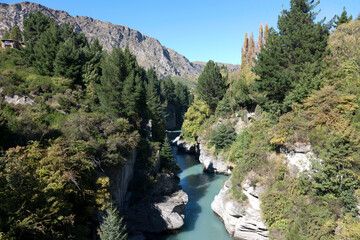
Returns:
<point x="159" y="213"/>
<point x="242" y="221"/>
<point x="184" y="146"/>
<point x="120" y="177"/>
<point x="19" y="100"/>
<point x="299" y="157"/>
<point x="212" y="163"/>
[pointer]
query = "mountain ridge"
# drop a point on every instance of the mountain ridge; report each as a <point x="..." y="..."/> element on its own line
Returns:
<point x="150" y="53"/>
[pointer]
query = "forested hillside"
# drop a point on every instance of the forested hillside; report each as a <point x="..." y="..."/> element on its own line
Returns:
<point x="296" y="94"/>
<point x="67" y="111"/>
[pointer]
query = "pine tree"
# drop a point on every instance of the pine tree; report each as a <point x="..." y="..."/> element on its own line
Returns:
<point x="281" y="67"/>
<point x="34" y="26"/>
<point x="112" y="227"/>
<point x="111" y="82"/>
<point x="128" y="96"/>
<point x="69" y="61"/>
<point x="153" y="95"/>
<point x="15" y="33"/>
<point x="6" y="34"/>
<point x="211" y="85"/>
<point x="342" y="19"/>
<point x="45" y="50"/>
<point x="166" y="155"/>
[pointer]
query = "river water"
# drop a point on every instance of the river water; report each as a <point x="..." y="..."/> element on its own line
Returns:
<point x="200" y="221"/>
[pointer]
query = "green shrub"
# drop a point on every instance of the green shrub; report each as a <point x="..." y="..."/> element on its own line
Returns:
<point x="222" y="137"/>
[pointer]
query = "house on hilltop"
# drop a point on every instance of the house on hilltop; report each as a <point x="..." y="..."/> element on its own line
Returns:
<point x="11" y="43"/>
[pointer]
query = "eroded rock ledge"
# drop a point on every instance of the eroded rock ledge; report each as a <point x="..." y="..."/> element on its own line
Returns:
<point x="163" y="209"/>
<point x="242" y="221"/>
<point x="184" y="146"/>
<point x="211" y="163"/>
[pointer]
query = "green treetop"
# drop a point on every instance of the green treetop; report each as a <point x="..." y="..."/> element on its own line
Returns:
<point x="211" y="85"/>
<point x="291" y="57"/>
<point x="112" y="227"/>
<point x="166" y="155"/>
<point x="15" y="33"/>
<point x="342" y="19"/>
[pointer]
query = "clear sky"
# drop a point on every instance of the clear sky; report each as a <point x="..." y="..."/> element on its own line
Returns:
<point x="198" y="29"/>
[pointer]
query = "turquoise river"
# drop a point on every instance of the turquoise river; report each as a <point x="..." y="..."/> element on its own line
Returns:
<point x="200" y="221"/>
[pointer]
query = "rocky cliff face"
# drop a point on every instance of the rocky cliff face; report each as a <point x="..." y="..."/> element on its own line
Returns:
<point x="242" y="221"/>
<point x="149" y="52"/>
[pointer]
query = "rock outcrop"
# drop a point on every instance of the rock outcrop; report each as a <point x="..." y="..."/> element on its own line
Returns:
<point x="159" y="213"/>
<point x="16" y="99"/>
<point x="242" y="221"/>
<point x="299" y="157"/>
<point x="120" y="178"/>
<point x="212" y="163"/>
<point x="184" y="146"/>
<point x="149" y="52"/>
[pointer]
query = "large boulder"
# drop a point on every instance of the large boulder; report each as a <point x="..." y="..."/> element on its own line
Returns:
<point x="242" y="221"/>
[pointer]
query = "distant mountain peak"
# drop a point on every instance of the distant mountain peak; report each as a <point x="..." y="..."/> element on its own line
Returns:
<point x="149" y="51"/>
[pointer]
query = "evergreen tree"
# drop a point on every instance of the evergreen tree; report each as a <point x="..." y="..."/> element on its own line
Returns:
<point x="168" y="90"/>
<point x="300" y="42"/>
<point x="69" y="61"/>
<point x="153" y="95"/>
<point x="34" y="26"/>
<point x="111" y="82"/>
<point x="15" y="33"/>
<point x="6" y="34"/>
<point x="45" y="50"/>
<point x="166" y="155"/>
<point x="112" y="227"/>
<point x="211" y="85"/>
<point x="128" y="96"/>
<point x="342" y="19"/>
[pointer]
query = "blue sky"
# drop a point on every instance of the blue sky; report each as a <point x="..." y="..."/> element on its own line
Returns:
<point x="198" y="29"/>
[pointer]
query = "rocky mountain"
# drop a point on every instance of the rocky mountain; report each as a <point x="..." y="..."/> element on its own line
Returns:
<point x="149" y="51"/>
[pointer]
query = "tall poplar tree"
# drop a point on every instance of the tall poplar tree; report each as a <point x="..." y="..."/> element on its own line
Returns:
<point x="291" y="58"/>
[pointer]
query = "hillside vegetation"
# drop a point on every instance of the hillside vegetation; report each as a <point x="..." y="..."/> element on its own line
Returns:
<point x="88" y="111"/>
<point x="301" y="84"/>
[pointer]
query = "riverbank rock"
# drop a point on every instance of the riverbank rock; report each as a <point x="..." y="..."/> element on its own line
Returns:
<point x="241" y="221"/>
<point x="184" y="146"/>
<point x="211" y="163"/>
<point x="158" y="214"/>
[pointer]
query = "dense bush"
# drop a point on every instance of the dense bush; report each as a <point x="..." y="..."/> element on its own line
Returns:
<point x="222" y="137"/>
